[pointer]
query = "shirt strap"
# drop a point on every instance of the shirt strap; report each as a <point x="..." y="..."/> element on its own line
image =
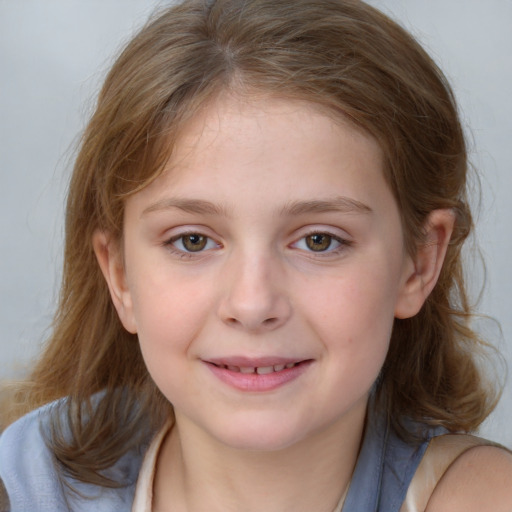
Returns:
<point x="143" y="498"/>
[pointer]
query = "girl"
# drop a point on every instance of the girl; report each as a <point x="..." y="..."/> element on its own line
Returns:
<point x="262" y="280"/>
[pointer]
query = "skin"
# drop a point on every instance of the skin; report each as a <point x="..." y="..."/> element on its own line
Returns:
<point x="303" y="259"/>
<point x="479" y="480"/>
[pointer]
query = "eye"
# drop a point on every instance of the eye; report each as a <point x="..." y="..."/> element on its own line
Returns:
<point x="192" y="242"/>
<point x="319" y="242"/>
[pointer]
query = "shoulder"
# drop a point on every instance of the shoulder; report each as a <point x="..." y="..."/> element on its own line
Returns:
<point x="34" y="480"/>
<point x="479" y="480"/>
<point x="25" y="434"/>
<point x="26" y="464"/>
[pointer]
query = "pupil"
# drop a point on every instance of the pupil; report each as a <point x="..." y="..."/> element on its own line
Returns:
<point x="318" y="242"/>
<point x="194" y="242"/>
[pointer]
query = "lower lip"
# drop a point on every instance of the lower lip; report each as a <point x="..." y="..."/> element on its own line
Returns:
<point x="259" y="383"/>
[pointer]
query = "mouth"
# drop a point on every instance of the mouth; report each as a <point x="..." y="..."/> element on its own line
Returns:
<point x="260" y="370"/>
<point x="260" y="374"/>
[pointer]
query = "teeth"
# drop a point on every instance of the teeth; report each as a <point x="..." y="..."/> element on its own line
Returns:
<point x="264" y="370"/>
<point x="260" y="370"/>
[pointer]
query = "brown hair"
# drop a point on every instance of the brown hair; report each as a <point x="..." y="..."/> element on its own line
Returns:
<point x="341" y="54"/>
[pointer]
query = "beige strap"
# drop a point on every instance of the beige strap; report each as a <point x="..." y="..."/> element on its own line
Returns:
<point x="143" y="498"/>
<point x="441" y="452"/>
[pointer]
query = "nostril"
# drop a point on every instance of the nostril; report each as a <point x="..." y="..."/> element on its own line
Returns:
<point x="268" y="322"/>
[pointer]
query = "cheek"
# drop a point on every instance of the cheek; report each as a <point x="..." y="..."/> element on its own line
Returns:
<point x="357" y="331"/>
<point x="168" y="323"/>
<point x="169" y="312"/>
<point x="357" y="302"/>
<point x="354" y="314"/>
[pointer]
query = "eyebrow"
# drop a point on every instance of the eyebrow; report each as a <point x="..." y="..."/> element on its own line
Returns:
<point x="198" y="206"/>
<point x="202" y="207"/>
<point x="338" y="204"/>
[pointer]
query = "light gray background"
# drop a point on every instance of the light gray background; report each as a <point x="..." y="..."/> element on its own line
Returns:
<point x="53" y="56"/>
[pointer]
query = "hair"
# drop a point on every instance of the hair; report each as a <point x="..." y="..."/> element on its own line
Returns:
<point x="342" y="55"/>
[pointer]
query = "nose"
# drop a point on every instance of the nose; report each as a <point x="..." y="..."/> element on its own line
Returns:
<point x="254" y="295"/>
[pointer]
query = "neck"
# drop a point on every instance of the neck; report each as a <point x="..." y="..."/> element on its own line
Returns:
<point x="195" y="473"/>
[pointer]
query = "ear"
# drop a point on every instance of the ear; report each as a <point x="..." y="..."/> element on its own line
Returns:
<point x="423" y="269"/>
<point x="110" y="258"/>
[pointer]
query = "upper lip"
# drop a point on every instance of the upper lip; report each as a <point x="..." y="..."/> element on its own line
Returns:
<point x="253" y="362"/>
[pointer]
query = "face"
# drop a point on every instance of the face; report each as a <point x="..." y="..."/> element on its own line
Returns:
<point x="262" y="272"/>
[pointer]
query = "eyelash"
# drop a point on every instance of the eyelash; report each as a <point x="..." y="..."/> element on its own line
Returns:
<point x="183" y="252"/>
<point x="343" y="243"/>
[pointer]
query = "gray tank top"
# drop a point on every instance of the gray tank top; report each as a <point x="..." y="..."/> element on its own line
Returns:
<point x="385" y="467"/>
<point x="383" y="473"/>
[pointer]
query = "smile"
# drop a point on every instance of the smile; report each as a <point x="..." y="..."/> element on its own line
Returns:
<point x="260" y="370"/>
<point x="258" y="376"/>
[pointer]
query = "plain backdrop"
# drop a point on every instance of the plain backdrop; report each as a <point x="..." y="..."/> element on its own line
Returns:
<point x="53" y="56"/>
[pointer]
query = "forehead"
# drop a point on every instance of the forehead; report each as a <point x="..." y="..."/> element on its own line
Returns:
<point x="270" y="149"/>
<point x="265" y="125"/>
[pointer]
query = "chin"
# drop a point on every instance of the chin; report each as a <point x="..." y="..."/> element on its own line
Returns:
<point x="260" y="443"/>
<point x="261" y="436"/>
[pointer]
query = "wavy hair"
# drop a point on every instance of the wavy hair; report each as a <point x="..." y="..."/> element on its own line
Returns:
<point x="343" y="55"/>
